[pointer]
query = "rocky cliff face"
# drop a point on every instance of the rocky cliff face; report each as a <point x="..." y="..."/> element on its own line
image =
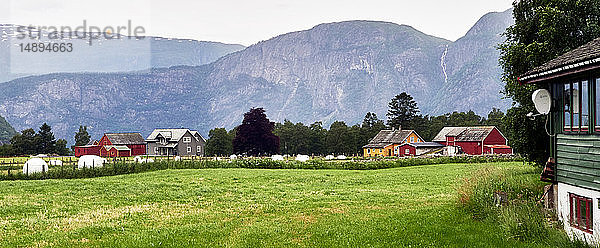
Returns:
<point x="336" y="71"/>
<point x="472" y="73"/>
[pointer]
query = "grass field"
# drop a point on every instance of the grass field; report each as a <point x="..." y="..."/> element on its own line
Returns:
<point x="401" y="207"/>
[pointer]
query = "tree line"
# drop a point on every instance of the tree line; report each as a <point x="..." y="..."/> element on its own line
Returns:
<point x="340" y="138"/>
<point x="257" y="135"/>
<point x="28" y="142"/>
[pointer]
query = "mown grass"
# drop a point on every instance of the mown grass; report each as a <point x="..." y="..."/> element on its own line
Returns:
<point x="400" y="207"/>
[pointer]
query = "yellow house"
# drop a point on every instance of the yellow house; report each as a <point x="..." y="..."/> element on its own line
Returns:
<point x="385" y="143"/>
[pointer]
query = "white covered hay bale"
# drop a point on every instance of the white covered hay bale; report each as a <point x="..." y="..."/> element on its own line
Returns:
<point x="277" y="158"/>
<point x="233" y="157"/>
<point x="90" y="161"/>
<point x="34" y="165"/>
<point x="342" y="157"/>
<point x="56" y="162"/>
<point x="177" y="158"/>
<point x="329" y="157"/>
<point x="139" y="159"/>
<point x="302" y="158"/>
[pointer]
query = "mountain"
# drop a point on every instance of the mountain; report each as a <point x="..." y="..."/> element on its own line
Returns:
<point x="103" y="54"/>
<point x="6" y="131"/>
<point x="334" y="71"/>
<point x="472" y="70"/>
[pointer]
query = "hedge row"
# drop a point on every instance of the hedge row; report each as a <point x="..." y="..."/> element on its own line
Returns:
<point x="120" y="168"/>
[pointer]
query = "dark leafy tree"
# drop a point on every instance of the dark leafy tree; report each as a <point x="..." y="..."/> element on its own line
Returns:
<point x="82" y="137"/>
<point x="338" y="139"/>
<point x="24" y="143"/>
<point x="255" y="136"/>
<point x="402" y="110"/>
<point x="7" y="150"/>
<point x="61" y="147"/>
<point x="496" y="118"/>
<point x="318" y="138"/>
<point x="219" y="143"/>
<point x="542" y="31"/>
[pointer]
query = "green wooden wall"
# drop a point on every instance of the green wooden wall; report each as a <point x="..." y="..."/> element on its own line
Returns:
<point x="578" y="160"/>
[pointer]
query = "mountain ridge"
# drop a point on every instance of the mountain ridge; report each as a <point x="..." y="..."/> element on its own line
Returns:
<point x="333" y="71"/>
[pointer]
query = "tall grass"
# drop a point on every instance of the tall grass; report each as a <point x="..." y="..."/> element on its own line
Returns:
<point x="509" y="198"/>
<point x="124" y="167"/>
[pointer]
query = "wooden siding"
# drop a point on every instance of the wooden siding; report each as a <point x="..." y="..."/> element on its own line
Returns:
<point x="578" y="160"/>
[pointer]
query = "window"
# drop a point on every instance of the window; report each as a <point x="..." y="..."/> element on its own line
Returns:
<point x="412" y="139"/>
<point x="198" y="149"/>
<point x="576" y="108"/>
<point x="189" y="149"/>
<point x="155" y="150"/>
<point x="597" y="104"/>
<point x="567" y="107"/>
<point x="585" y="108"/>
<point x="187" y="139"/>
<point x="407" y="151"/>
<point x="581" y="213"/>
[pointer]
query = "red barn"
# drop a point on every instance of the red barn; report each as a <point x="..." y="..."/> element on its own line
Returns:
<point x="474" y="140"/>
<point x="114" y="145"/>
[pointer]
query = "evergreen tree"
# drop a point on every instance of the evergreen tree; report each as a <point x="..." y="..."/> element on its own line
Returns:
<point x="82" y="137"/>
<point x="402" y="110"/>
<point x="45" y="141"/>
<point x="255" y="136"/>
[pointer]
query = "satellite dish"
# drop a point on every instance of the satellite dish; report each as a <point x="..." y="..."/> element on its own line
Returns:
<point x="542" y="100"/>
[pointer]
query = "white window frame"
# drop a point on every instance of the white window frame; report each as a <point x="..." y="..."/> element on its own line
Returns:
<point x="412" y="139"/>
<point x="198" y="148"/>
<point x="407" y="151"/>
<point x="187" y="139"/>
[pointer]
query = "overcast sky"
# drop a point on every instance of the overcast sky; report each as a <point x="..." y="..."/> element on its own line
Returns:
<point x="248" y="21"/>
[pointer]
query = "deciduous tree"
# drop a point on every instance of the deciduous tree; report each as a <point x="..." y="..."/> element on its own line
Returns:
<point x="255" y="135"/>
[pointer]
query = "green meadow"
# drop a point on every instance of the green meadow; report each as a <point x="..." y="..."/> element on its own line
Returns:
<point x="401" y="207"/>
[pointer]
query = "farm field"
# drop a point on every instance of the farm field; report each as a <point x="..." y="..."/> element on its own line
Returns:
<point x="412" y="206"/>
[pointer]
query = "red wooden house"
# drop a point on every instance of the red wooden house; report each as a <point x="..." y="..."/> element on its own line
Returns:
<point x="474" y="140"/>
<point x="114" y="145"/>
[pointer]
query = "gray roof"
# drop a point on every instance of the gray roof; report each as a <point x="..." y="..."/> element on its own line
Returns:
<point x="92" y="143"/>
<point x="447" y="131"/>
<point x="425" y="144"/>
<point x="388" y="137"/>
<point x="119" y="148"/>
<point x="585" y="55"/>
<point x="125" y="138"/>
<point x="464" y="133"/>
<point x="172" y="134"/>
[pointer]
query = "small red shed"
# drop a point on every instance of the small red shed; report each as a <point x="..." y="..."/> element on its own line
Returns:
<point x="115" y="151"/>
<point x="474" y="140"/>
